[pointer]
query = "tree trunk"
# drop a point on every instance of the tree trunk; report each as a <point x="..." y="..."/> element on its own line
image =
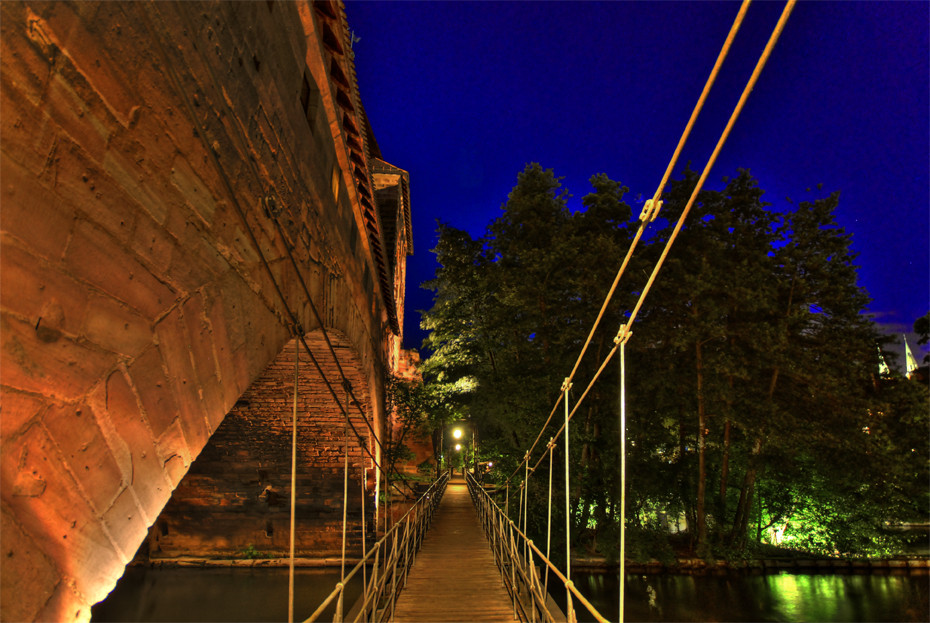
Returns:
<point x="684" y="489"/>
<point x="725" y="468"/>
<point x="741" y="519"/>
<point x="702" y="470"/>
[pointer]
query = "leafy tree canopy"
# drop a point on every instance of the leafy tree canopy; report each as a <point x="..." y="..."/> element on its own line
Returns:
<point x="752" y="373"/>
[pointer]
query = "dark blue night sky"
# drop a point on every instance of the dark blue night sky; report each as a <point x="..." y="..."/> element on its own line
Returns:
<point x="463" y="95"/>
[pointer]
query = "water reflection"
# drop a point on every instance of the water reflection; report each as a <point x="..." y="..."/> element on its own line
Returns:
<point x="778" y="597"/>
<point x="221" y="594"/>
<point x="261" y="595"/>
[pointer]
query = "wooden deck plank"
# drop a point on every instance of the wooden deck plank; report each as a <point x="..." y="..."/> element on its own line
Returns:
<point x="454" y="577"/>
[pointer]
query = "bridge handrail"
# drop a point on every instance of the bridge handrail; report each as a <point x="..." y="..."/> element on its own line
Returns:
<point x="405" y="537"/>
<point x="507" y="541"/>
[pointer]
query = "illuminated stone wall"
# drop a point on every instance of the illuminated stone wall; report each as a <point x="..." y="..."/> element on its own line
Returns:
<point x="134" y="307"/>
<point x="235" y="499"/>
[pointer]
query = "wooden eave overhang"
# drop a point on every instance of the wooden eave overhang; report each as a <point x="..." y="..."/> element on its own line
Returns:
<point x="358" y="137"/>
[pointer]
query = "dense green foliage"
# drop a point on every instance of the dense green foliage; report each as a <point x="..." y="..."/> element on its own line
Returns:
<point x="754" y="409"/>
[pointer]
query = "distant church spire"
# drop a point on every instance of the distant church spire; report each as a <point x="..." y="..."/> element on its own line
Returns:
<point x="909" y="361"/>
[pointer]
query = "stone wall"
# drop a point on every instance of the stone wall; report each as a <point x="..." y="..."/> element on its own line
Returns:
<point x="235" y="499"/>
<point x="159" y="164"/>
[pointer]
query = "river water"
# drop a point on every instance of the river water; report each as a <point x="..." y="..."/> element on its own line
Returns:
<point x="771" y="597"/>
<point x="219" y="594"/>
<point x="243" y="594"/>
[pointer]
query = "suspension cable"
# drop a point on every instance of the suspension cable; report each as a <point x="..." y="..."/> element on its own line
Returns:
<point x="651" y="211"/>
<point x="566" y="387"/>
<point x="364" y="531"/>
<point x="345" y="494"/>
<point x="526" y="506"/>
<point x="625" y="333"/>
<point x="290" y="579"/>
<point x="257" y="248"/>
<point x="239" y="135"/>
<point x="786" y="12"/>
<point x="550" y="446"/>
<point x="622" y="476"/>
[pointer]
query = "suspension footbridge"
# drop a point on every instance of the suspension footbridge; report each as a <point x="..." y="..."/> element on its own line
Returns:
<point x="456" y="563"/>
<point x="462" y="576"/>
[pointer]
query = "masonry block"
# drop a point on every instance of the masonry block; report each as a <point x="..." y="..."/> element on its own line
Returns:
<point x="80" y="440"/>
<point x="126" y="523"/>
<point x="113" y="326"/>
<point x="66" y="107"/>
<point x="76" y="40"/>
<point x="146" y="470"/>
<point x="44" y="498"/>
<point x="25" y="569"/>
<point x="65" y="606"/>
<point x="19" y="409"/>
<point x="52" y="302"/>
<point x="85" y="188"/>
<point x="154" y="245"/>
<point x="174" y="452"/>
<point x="31" y="212"/>
<point x="99" y="260"/>
<point x="61" y="368"/>
<point x="230" y="384"/>
<point x="192" y="188"/>
<point x="195" y="261"/>
<point x="154" y="390"/>
<point x="30" y="63"/>
<point x="123" y="168"/>
<point x="28" y="138"/>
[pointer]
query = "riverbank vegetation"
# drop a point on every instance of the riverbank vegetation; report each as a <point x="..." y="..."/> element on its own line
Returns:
<point x="757" y="413"/>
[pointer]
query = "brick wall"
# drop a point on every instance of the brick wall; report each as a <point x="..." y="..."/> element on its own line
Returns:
<point x="236" y="495"/>
<point x="134" y="308"/>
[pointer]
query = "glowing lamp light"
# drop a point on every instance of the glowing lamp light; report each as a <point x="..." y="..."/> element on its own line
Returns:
<point x="490" y="464"/>
<point x="458" y="447"/>
<point x="457" y="433"/>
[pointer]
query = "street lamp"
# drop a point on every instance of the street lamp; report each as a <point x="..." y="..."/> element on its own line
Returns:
<point x="458" y="447"/>
<point x="457" y="433"/>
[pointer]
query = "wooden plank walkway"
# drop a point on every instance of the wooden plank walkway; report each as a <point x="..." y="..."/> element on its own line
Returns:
<point x="454" y="577"/>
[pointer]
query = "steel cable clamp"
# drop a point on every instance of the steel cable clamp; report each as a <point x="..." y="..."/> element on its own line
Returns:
<point x="623" y="336"/>
<point x="650" y="211"/>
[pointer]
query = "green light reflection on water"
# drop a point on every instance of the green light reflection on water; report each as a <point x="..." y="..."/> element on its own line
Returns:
<point x="792" y="598"/>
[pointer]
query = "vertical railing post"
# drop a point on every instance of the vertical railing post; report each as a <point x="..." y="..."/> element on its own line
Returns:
<point x="376" y="592"/>
<point x="551" y="447"/>
<point x="290" y="577"/>
<point x="364" y="544"/>
<point x="526" y="504"/>
<point x="622" y="338"/>
<point x="566" y="386"/>
<point x="338" y="615"/>
<point x="393" y="572"/>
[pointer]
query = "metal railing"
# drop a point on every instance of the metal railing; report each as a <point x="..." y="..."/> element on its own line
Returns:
<point x="517" y="557"/>
<point x="390" y="560"/>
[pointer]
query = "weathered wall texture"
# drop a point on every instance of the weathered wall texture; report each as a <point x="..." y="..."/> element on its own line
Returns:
<point x="236" y="496"/>
<point x="142" y="146"/>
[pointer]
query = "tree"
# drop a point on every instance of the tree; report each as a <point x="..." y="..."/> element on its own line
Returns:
<point x="751" y="360"/>
<point x="922" y="329"/>
<point x="511" y="311"/>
